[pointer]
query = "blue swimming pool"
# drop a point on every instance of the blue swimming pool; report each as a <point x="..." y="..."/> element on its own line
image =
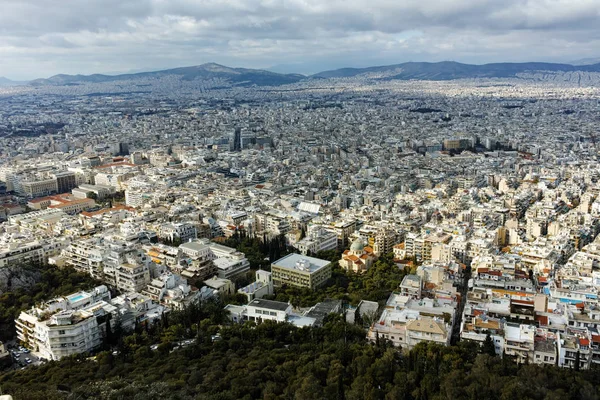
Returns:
<point x="76" y="297"/>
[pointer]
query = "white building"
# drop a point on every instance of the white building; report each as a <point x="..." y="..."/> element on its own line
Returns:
<point x="261" y="310"/>
<point x="229" y="261"/>
<point x="262" y="286"/>
<point x="317" y="239"/>
<point x="66" y="326"/>
<point x="178" y="231"/>
<point x="171" y="290"/>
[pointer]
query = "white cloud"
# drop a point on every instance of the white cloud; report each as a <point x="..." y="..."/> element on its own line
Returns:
<point x="75" y="36"/>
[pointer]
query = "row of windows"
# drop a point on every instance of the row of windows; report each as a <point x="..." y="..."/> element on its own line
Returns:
<point x="546" y="358"/>
<point x="266" y="312"/>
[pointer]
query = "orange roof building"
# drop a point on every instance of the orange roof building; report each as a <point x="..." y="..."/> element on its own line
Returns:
<point x="359" y="258"/>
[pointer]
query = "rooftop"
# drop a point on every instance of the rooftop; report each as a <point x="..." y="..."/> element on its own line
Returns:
<point x="301" y="263"/>
<point x="269" y="304"/>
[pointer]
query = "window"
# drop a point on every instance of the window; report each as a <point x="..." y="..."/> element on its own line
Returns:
<point x="61" y="332"/>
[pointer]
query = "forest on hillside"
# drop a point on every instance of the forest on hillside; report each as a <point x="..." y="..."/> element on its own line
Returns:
<point x="279" y="361"/>
<point x="194" y="353"/>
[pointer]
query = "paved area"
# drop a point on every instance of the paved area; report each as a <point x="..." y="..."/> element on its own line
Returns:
<point x="22" y="357"/>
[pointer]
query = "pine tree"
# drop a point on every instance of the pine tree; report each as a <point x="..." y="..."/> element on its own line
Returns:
<point x="488" y="346"/>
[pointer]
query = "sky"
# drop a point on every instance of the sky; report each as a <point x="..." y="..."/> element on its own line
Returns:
<point x="41" y="38"/>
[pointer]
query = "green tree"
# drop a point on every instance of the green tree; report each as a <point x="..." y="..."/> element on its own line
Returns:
<point x="488" y="346"/>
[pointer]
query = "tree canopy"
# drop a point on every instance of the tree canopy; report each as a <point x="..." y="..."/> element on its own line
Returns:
<point x="280" y="361"/>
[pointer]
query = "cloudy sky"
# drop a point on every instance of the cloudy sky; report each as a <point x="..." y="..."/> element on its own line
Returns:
<point x="40" y="38"/>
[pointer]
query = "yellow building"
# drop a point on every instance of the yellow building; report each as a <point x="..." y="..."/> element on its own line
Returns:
<point x="301" y="271"/>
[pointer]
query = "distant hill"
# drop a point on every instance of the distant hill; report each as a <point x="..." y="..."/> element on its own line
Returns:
<point x="7" y="82"/>
<point x="238" y="76"/>
<point x="584" y="75"/>
<point x="586" y="61"/>
<point x="448" y="70"/>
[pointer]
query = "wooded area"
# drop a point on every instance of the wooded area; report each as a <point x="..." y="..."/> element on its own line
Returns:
<point x="272" y="361"/>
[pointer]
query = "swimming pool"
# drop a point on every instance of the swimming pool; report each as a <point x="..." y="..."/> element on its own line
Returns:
<point x="76" y="297"/>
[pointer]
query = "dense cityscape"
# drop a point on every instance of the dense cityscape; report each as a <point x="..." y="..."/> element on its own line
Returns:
<point x="455" y="213"/>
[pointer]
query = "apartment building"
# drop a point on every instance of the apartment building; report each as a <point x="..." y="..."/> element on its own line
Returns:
<point x="131" y="277"/>
<point x="317" y="239"/>
<point x="177" y="232"/>
<point x="170" y="290"/>
<point x="262" y="286"/>
<point x="228" y="261"/>
<point x="66" y="326"/>
<point x="16" y="253"/>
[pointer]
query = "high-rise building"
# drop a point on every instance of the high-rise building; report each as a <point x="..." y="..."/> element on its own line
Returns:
<point x="65" y="181"/>
<point x="235" y="141"/>
<point x="123" y="149"/>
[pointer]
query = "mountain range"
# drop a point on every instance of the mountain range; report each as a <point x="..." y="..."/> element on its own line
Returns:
<point x="447" y="70"/>
<point x="237" y="76"/>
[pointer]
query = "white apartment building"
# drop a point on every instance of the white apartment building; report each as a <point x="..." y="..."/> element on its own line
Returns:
<point x="406" y="321"/>
<point x="132" y="277"/>
<point x="15" y="253"/>
<point x="137" y="198"/>
<point x="115" y="180"/>
<point x="66" y="326"/>
<point x="229" y="261"/>
<point x="43" y="220"/>
<point x="262" y="286"/>
<point x="317" y="239"/>
<point x="171" y="290"/>
<point x="85" y="256"/>
<point x="183" y="232"/>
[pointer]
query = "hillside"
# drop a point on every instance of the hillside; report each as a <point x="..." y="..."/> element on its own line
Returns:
<point x="220" y="75"/>
<point x="449" y="70"/>
<point x="238" y="76"/>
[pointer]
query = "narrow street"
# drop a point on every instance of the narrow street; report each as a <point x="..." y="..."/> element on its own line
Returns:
<point x="463" y="289"/>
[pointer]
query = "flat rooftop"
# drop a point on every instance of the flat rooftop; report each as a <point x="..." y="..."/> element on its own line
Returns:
<point x="194" y="246"/>
<point x="299" y="262"/>
<point x="269" y="304"/>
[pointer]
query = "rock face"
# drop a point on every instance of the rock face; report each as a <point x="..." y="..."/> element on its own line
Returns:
<point x="13" y="277"/>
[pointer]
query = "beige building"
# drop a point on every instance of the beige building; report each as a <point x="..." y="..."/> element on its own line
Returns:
<point x="36" y="188"/>
<point x="300" y="271"/>
<point x="67" y="203"/>
<point x="426" y="329"/>
<point x="132" y="277"/>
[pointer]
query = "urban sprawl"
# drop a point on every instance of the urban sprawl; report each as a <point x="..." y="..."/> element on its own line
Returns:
<point x="486" y="192"/>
